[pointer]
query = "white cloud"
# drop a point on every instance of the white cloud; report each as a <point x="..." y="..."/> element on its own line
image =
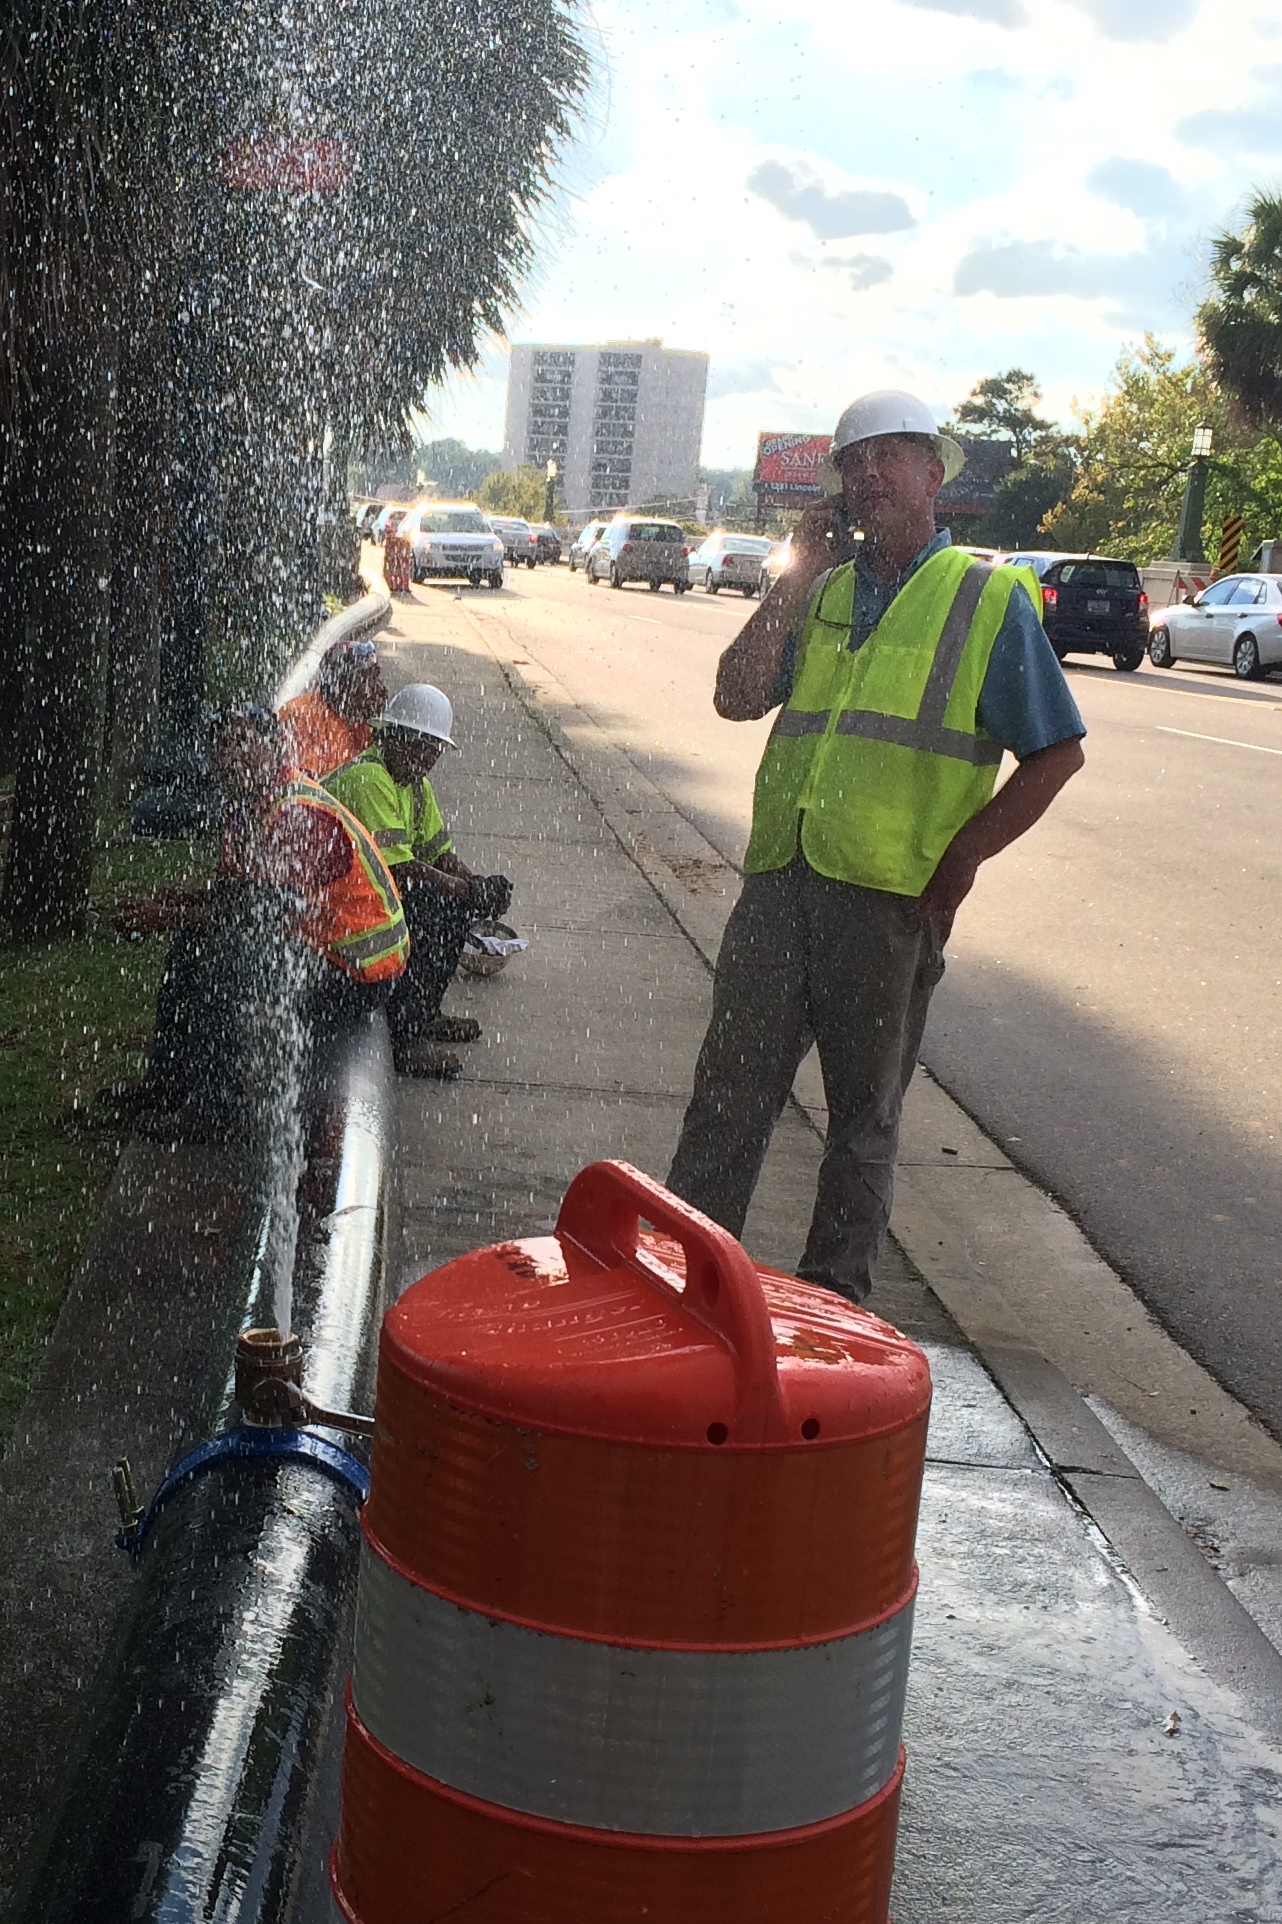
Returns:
<point x="1140" y="19"/>
<point x="830" y="212"/>
<point x="750" y="377"/>
<point x="1141" y="186"/>
<point x="1253" y="128"/>
<point x="1002" y="13"/>
<point x="861" y="271"/>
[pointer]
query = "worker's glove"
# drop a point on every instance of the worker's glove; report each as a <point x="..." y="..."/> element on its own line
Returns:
<point x="491" y="895"/>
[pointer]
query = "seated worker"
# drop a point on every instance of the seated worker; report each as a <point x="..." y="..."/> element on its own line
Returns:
<point x="387" y="789"/>
<point x="331" y="722"/>
<point x="300" y="929"/>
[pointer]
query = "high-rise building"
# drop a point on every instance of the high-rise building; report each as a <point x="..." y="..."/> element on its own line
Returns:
<point x="623" y="421"/>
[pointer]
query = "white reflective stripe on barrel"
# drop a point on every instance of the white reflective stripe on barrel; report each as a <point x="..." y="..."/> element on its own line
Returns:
<point x="669" y="1743"/>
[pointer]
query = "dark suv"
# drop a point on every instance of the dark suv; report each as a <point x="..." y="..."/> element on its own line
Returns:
<point x="1091" y="605"/>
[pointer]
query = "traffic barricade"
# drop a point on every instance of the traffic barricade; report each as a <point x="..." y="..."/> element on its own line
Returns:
<point x="637" y="1584"/>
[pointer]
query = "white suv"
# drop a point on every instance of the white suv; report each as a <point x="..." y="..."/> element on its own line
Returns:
<point x="453" y="538"/>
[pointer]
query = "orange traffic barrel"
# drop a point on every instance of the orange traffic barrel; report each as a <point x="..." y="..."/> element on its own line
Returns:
<point x="637" y="1583"/>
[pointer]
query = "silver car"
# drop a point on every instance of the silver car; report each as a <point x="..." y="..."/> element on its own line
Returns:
<point x="635" y="548"/>
<point x="520" y="543"/>
<point x="1236" y="623"/>
<point x="453" y="538"/>
<point x="584" y="542"/>
<point x="730" y="561"/>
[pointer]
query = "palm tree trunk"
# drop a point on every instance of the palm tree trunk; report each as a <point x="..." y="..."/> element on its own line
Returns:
<point x="67" y="554"/>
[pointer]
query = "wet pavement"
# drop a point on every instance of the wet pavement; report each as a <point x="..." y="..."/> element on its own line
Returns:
<point x="1046" y="1777"/>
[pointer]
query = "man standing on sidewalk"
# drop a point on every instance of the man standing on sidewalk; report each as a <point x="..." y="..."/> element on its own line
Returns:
<point x="903" y="675"/>
<point x="387" y="788"/>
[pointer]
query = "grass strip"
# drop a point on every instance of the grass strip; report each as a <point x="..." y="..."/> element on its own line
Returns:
<point x="75" y="1015"/>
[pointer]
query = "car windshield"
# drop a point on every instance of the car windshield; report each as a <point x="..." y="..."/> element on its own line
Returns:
<point x="654" y="531"/>
<point x="747" y="544"/>
<point x="452" y="521"/>
<point x="1098" y="574"/>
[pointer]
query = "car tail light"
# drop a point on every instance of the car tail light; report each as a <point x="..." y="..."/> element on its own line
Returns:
<point x="1143" y="602"/>
<point x="727" y="561"/>
<point x="1050" y="598"/>
<point x="684" y="553"/>
<point x="626" y="548"/>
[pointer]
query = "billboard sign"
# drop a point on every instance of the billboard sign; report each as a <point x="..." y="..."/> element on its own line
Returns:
<point x="788" y="466"/>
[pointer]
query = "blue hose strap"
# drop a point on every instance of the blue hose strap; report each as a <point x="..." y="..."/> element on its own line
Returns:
<point x="248" y="1441"/>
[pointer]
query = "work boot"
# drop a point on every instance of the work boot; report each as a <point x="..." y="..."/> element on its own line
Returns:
<point x="419" y="1059"/>
<point x="453" y="1028"/>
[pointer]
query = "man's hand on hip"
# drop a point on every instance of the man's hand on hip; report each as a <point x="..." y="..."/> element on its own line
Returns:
<point x="948" y="887"/>
<point x="1010" y="813"/>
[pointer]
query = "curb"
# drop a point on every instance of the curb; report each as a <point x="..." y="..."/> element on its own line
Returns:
<point x="696" y="885"/>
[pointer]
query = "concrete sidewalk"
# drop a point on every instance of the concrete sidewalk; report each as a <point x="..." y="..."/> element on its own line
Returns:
<point x="1042" y="1781"/>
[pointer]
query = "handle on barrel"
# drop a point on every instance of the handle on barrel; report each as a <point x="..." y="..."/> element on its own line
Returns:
<point x="602" y="1213"/>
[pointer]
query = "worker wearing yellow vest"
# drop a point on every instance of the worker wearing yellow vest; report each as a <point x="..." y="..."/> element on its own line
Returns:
<point x="387" y="788"/>
<point x="902" y="668"/>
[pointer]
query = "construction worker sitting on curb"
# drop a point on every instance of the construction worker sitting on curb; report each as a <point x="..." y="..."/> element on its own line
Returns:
<point x="300" y="930"/>
<point x="902" y="668"/>
<point x="331" y="722"/>
<point x="387" y="788"/>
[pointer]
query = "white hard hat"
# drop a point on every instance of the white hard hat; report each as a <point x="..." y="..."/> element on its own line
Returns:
<point x="423" y="709"/>
<point x="889" y="412"/>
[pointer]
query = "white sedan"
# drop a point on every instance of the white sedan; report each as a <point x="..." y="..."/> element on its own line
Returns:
<point x="730" y="561"/>
<point x="1236" y="623"/>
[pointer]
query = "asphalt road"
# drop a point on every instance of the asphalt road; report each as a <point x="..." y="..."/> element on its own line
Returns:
<point x="1114" y="991"/>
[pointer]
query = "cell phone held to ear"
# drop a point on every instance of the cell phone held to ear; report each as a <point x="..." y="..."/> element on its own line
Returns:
<point x="841" y="539"/>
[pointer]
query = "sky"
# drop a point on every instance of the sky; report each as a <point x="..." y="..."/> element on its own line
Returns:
<point x="827" y="198"/>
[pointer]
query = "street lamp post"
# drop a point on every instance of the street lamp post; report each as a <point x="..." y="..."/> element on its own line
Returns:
<point x="1188" y="541"/>
<point x="549" y="493"/>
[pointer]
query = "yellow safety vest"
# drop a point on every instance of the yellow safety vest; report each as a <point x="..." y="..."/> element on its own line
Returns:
<point x="406" y="823"/>
<point x="879" y="757"/>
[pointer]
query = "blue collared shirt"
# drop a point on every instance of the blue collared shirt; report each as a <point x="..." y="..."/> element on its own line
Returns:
<point x="1025" y="703"/>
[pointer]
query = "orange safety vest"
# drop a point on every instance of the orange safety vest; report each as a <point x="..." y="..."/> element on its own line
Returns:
<point x="356" y="922"/>
<point x="316" y="739"/>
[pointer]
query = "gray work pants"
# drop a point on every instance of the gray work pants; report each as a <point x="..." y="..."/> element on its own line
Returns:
<point x="805" y="959"/>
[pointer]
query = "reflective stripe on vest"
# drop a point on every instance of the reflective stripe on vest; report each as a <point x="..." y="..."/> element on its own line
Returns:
<point x="652" y="1741"/>
<point x="879" y="756"/>
<point x="358" y="922"/>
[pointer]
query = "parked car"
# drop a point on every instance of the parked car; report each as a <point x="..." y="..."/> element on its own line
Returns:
<point x="584" y="542"/>
<point x="365" y="514"/>
<point x="635" y="548"/>
<point x="1236" y="622"/>
<point x="520" y="543"/>
<point x="549" y="542"/>
<point x="452" y="539"/>
<point x="729" y="561"/>
<point x="1091" y="605"/>
<point x="389" y="519"/>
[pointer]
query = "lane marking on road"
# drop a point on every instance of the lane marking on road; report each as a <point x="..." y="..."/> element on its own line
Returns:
<point x="1225" y="740"/>
<point x="1231" y="693"/>
<point x="650" y="620"/>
